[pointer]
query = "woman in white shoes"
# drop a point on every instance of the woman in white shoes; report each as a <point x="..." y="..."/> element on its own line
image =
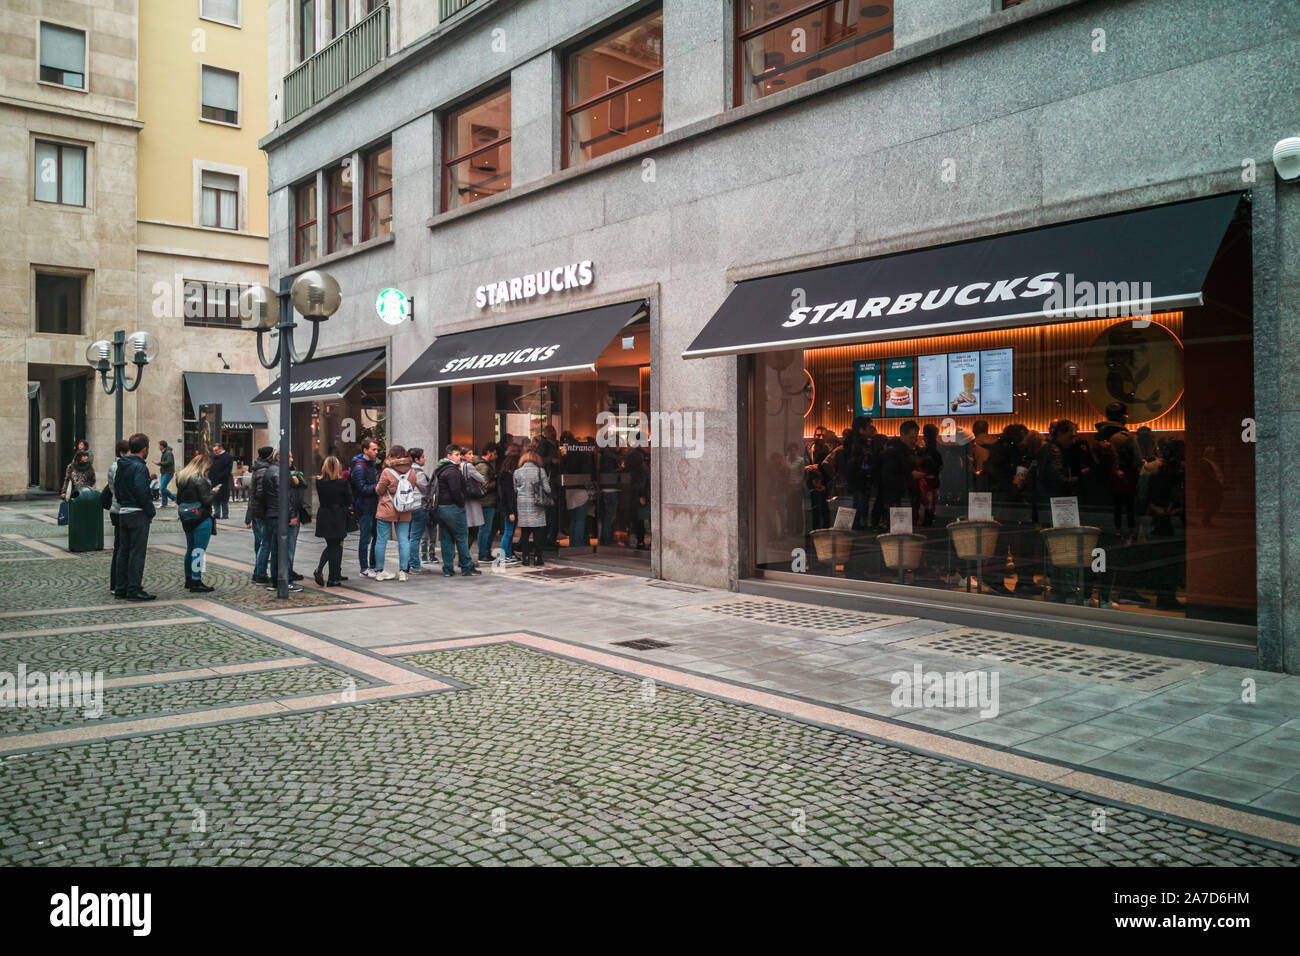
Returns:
<point x="398" y="499"/>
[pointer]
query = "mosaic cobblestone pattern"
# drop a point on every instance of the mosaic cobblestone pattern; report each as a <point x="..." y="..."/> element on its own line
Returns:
<point x="83" y="580"/>
<point x="145" y="650"/>
<point x="122" y="613"/>
<point x="552" y="762"/>
<point x="173" y="698"/>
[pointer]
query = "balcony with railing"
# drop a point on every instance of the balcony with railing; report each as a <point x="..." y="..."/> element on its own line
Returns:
<point x="449" y="8"/>
<point x="332" y="67"/>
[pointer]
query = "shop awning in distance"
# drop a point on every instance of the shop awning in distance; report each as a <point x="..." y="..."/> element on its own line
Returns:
<point x="233" y="391"/>
<point x="1133" y="263"/>
<point x="325" y="378"/>
<point x="559" y="343"/>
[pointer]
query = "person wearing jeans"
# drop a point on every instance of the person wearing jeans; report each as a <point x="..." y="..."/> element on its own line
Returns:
<point x="256" y="516"/>
<point x="166" y="468"/>
<point x="420" y="516"/>
<point x="364" y="476"/>
<point x="506" y="504"/>
<point x="389" y="522"/>
<point x="451" y="515"/>
<point x="194" y="486"/>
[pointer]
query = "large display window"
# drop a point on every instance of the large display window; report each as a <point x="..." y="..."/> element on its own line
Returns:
<point x="1105" y="462"/>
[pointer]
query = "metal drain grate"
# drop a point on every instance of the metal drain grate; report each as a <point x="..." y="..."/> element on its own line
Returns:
<point x="643" y="644"/>
<point x="1124" y="668"/>
<point x="563" y="574"/>
<point x="805" y="616"/>
<point x="675" y="587"/>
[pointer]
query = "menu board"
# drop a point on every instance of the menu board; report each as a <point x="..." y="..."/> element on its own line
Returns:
<point x="964" y="383"/>
<point x="866" y="381"/>
<point x="996" y="382"/>
<point x="932" y="385"/>
<point x="900" y="386"/>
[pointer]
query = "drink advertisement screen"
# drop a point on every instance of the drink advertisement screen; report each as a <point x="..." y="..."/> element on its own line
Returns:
<point x="900" y="385"/>
<point x="932" y="385"/>
<point x="866" y="377"/>
<point x="964" y="383"/>
<point x="996" y="382"/>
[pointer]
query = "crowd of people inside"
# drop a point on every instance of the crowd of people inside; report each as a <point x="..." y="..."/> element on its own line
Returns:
<point x="1129" y="483"/>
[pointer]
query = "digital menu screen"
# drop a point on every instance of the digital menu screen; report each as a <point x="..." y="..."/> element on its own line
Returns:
<point x="996" y="382"/>
<point x="963" y="383"/>
<point x="900" y="385"/>
<point x="932" y="385"/>
<point x="866" y="380"/>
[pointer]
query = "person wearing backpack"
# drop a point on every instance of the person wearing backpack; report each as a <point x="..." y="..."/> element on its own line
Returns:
<point x="194" y="502"/>
<point x="449" y="481"/>
<point x="398" y="499"/>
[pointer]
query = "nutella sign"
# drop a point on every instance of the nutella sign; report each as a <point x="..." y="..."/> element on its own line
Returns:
<point x="575" y="275"/>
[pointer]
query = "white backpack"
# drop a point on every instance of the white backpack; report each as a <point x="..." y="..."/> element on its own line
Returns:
<point x="406" y="497"/>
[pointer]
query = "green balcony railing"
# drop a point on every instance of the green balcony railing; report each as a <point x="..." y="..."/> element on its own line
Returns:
<point x="449" y="8"/>
<point x="335" y="65"/>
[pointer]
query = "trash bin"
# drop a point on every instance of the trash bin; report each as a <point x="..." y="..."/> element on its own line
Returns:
<point x="86" y="522"/>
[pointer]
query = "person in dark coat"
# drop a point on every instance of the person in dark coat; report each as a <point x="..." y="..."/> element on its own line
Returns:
<point x="219" y="474"/>
<point x="900" y="475"/>
<point x="193" y="487"/>
<point x="638" y="493"/>
<point x="333" y="501"/>
<point x="364" y="476"/>
<point x="135" y="512"/>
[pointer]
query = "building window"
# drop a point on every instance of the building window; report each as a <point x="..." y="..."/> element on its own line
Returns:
<point x="220" y="95"/>
<point x="63" y="56"/>
<point x="476" y="142"/>
<point x="377" y="219"/>
<point x="58" y="303"/>
<point x="614" y="90"/>
<point x="305" y="211"/>
<point x="211" y="304"/>
<point x="220" y="200"/>
<point x="339" y="200"/>
<point x="338" y="17"/>
<point x="223" y="11"/>
<point x="306" y="29"/>
<point x="783" y="43"/>
<point x="60" y="174"/>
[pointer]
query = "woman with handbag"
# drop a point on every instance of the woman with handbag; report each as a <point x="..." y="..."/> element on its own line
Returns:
<point x="393" y="514"/>
<point x="532" y="498"/>
<point x="333" y="503"/>
<point x="194" y="500"/>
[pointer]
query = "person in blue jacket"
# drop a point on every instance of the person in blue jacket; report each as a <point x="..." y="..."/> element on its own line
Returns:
<point x="364" y="475"/>
<point x="135" y="511"/>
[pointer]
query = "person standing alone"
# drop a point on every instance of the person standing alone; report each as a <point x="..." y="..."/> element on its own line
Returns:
<point x="135" y="512"/>
<point x="166" y="470"/>
<point x="219" y="474"/>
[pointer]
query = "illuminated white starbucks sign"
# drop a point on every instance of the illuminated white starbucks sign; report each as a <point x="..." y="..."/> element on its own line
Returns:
<point x="575" y="275"/>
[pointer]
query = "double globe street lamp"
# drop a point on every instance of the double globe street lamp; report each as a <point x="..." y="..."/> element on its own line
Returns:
<point x="105" y="357"/>
<point x="316" y="296"/>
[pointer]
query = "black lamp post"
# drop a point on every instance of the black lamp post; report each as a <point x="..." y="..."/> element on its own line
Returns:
<point x="316" y="297"/>
<point x="104" y="356"/>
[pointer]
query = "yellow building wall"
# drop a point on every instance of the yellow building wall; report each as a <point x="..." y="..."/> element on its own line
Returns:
<point x="174" y="41"/>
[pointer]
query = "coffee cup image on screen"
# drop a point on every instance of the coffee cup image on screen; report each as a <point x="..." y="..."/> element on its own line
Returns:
<point x="963" y="383"/>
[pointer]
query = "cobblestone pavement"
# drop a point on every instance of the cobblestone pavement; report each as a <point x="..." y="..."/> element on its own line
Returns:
<point x="547" y="761"/>
<point x="374" y="744"/>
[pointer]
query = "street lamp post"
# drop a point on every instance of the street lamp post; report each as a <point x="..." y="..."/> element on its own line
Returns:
<point x="316" y="296"/>
<point x="144" y="349"/>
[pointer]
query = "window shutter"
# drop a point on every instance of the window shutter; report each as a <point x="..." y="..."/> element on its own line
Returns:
<point x="220" y="89"/>
<point x="227" y="10"/>
<point x="47" y="172"/>
<point x="63" y="49"/>
<point x="74" y="176"/>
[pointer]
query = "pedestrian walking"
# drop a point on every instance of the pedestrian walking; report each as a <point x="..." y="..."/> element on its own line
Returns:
<point x="166" y="472"/>
<point x="532" y="491"/>
<point x="134" y="515"/>
<point x="364" y="476"/>
<point x="223" y="464"/>
<point x="194" y="504"/>
<point x="452" y="525"/>
<point x="117" y="568"/>
<point x="333" y="502"/>
<point x="397" y="499"/>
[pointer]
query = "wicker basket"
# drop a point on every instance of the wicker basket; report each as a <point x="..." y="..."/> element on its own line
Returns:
<point x="974" y="539"/>
<point x="832" y="546"/>
<point x="1070" y="547"/>
<point x="902" y="550"/>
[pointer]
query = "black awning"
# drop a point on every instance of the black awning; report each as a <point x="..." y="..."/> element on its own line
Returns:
<point x="1150" y="260"/>
<point x="328" y="377"/>
<point x="559" y="343"/>
<point x="232" y="391"/>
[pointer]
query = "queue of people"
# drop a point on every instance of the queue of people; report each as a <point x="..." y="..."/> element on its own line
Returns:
<point x="1129" y="484"/>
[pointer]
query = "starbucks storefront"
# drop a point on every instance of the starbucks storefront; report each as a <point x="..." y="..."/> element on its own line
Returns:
<point x="1054" y="421"/>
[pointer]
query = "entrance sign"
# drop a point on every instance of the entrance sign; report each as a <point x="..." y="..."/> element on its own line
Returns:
<point x="575" y="275"/>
